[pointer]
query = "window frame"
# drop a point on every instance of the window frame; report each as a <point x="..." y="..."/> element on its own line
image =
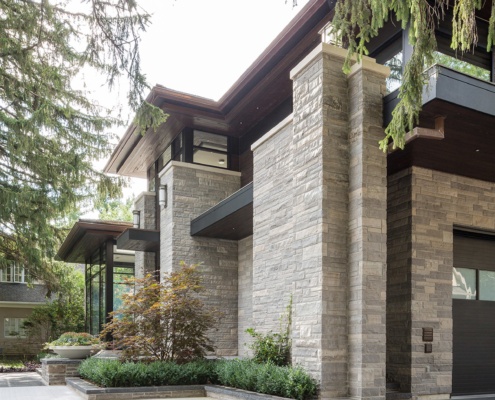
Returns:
<point x="18" y="321"/>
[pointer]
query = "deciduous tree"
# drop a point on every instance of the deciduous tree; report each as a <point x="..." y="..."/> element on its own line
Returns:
<point x="164" y="320"/>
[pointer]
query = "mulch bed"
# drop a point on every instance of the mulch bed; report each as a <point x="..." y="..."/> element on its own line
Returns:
<point x="28" y="367"/>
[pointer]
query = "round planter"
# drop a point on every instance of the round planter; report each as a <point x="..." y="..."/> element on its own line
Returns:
<point x="74" y="352"/>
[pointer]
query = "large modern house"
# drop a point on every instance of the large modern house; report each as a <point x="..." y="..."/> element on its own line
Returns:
<point x="280" y="190"/>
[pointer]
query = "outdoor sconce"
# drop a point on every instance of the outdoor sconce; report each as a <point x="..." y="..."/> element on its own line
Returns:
<point x="136" y="218"/>
<point x="162" y="196"/>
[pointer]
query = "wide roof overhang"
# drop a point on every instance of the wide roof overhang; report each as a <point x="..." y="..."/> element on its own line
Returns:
<point x="86" y="236"/>
<point x="258" y="92"/>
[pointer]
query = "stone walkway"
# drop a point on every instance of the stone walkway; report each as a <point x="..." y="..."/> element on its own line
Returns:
<point x="30" y="386"/>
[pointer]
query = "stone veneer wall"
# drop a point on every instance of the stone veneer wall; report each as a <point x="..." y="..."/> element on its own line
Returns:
<point x="245" y="295"/>
<point x="320" y="224"/>
<point x="191" y="190"/>
<point x="273" y="250"/>
<point x="438" y="202"/>
<point x="145" y="261"/>
<point x="399" y="238"/>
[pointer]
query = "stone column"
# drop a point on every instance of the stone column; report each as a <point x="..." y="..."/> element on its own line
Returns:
<point x="320" y="213"/>
<point x="192" y="189"/>
<point x="367" y="240"/>
<point x="145" y="261"/>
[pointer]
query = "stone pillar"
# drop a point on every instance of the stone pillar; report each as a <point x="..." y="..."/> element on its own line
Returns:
<point x="191" y="190"/>
<point x="145" y="261"/>
<point x="320" y="212"/>
<point x="55" y="370"/>
<point x="367" y="240"/>
<point x="339" y="223"/>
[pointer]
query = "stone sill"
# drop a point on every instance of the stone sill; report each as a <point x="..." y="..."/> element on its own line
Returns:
<point x="90" y="391"/>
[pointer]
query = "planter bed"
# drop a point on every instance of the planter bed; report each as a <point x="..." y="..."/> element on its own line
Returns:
<point x="90" y="391"/>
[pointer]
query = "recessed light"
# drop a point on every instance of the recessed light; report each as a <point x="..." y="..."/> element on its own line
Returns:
<point x="477" y="150"/>
<point x="221" y="161"/>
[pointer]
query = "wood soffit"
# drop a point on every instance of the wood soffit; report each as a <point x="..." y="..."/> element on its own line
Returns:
<point x="88" y="235"/>
<point x="262" y="88"/>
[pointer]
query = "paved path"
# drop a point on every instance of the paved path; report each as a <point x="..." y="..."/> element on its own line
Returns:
<point x="30" y="386"/>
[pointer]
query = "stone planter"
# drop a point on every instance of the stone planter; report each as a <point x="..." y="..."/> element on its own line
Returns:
<point x="73" y="352"/>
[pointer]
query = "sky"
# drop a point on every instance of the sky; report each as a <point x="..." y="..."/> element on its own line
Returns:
<point x="201" y="47"/>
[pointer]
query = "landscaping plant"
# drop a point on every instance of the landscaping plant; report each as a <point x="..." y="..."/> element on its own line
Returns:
<point x="290" y="382"/>
<point x="272" y="347"/>
<point x="75" y="339"/>
<point x="165" y="320"/>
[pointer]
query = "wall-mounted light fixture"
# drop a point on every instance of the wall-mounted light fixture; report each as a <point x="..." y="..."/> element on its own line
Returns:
<point x="162" y="196"/>
<point x="136" y="218"/>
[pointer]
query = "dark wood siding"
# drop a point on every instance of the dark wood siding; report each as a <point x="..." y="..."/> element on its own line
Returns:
<point x="246" y="167"/>
<point x="473" y="321"/>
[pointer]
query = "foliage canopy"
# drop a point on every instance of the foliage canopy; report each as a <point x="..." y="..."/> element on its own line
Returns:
<point x="63" y="310"/>
<point x="50" y="132"/>
<point x="357" y="21"/>
<point x="164" y="321"/>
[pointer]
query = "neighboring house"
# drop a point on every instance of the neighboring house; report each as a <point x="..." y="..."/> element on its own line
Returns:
<point x="17" y="300"/>
<point x="279" y="189"/>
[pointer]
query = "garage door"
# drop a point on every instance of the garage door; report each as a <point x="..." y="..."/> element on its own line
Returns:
<point x="473" y="313"/>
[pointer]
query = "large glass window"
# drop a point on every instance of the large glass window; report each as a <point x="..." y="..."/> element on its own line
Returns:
<point x="210" y="149"/>
<point x="464" y="283"/>
<point x="123" y="269"/>
<point x="13" y="327"/>
<point x="394" y="80"/>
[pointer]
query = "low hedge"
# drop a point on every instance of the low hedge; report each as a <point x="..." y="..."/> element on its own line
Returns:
<point x="114" y="373"/>
<point x="270" y="379"/>
<point x="291" y="382"/>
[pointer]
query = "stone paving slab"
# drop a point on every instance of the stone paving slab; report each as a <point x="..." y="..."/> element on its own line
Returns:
<point x="20" y="379"/>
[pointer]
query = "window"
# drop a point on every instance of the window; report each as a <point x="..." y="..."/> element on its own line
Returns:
<point x="14" y="273"/>
<point x="462" y="66"/>
<point x="472" y="284"/>
<point x="464" y="283"/>
<point x="487" y="285"/>
<point x="210" y="149"/>
<point x="394" y="80"/>
<point x="12" y="327"/>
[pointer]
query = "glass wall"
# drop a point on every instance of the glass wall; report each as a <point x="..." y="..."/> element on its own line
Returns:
<point x="98" y="283"/>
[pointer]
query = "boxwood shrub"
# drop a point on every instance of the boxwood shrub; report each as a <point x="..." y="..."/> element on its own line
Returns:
<point x="291" y="382"/>
<point x="114" y="373"/>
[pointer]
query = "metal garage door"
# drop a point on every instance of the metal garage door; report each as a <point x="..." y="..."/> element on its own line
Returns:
<point x="473" y="313"/>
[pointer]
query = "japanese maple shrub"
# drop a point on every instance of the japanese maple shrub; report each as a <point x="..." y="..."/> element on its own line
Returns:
<point x="164" y="320"/>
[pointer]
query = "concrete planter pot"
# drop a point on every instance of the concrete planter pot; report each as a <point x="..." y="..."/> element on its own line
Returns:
<point x="73" y="352"/>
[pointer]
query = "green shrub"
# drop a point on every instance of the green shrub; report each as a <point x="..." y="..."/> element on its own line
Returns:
<point x="75" y="339"/>
<point x="266" y="378"/>
<point x="274" y="348"/>
<point x="270" y="347"/>
<point x="270" y="379"/>
<point x="114" y="373"/>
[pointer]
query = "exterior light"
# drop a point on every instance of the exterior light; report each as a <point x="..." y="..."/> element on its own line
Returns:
<point x="136" y="218"/>
<point x="221" y="161"/>
<point x="162" y="196"/>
